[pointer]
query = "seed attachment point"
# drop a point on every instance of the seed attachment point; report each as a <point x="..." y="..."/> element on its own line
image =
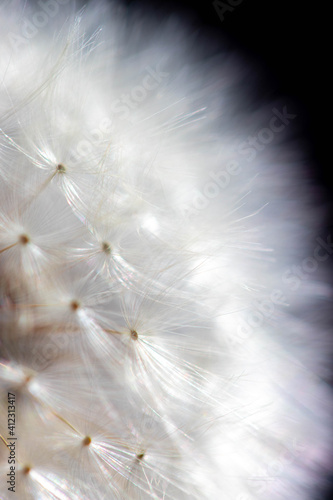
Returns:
<point x="86" y="441"/>
<point x="134" y="335"/>
<point x="106" y="247"/>
<point x="61" y="169"/>
<point x="74" y="305"/>
<point x="24" y="239"/>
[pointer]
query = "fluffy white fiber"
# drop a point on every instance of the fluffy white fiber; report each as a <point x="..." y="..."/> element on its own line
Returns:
<point x="156" y="335"/>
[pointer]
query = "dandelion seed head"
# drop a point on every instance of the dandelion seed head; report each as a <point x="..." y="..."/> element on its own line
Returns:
<point x="131" y="211"/>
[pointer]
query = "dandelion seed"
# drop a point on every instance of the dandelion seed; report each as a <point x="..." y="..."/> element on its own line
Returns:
<point x="26" y="470"/>
<point x="24" y="239"/>
<point x="134" y="335"/>
<point x="61" y="169"/>
<point x="106" y="247"/>
<point x="74" y="305"/>
<point x="86" y="441"/>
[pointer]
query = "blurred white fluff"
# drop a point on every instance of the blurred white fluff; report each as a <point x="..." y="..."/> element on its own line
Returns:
<point x="136" y="241"/>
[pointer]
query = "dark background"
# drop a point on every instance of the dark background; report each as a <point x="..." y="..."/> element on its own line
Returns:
<point x="289" y="41"/>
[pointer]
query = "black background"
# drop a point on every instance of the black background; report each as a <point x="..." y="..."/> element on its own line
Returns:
<point x="289" y="41"/>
